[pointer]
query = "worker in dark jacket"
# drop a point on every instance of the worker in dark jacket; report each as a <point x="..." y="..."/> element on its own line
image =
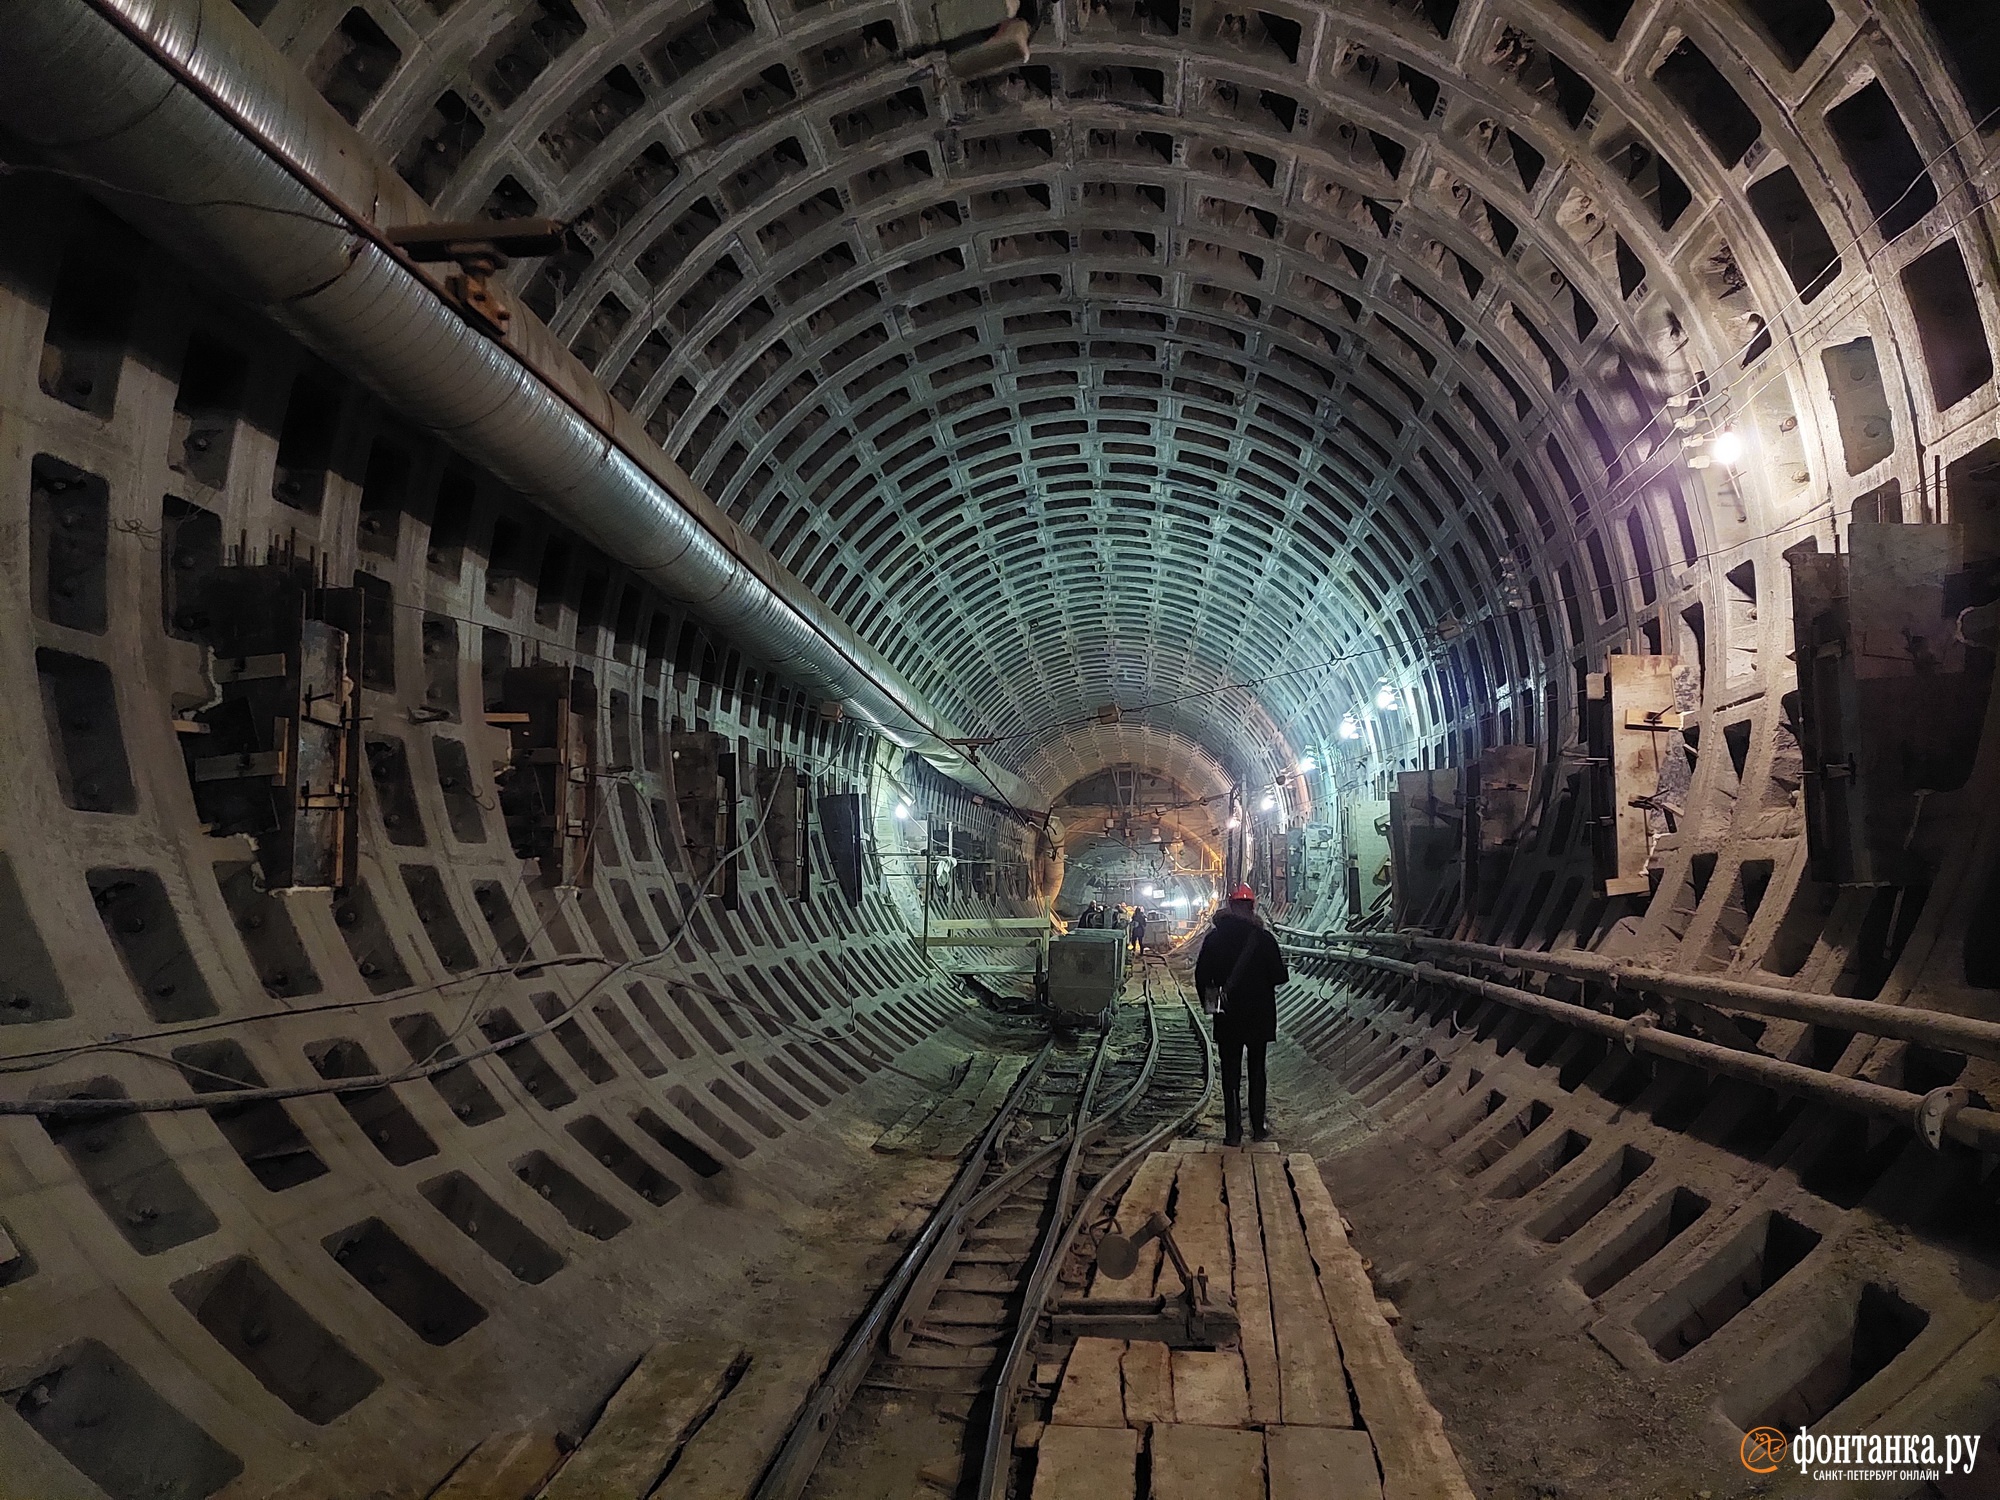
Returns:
<point x="1138" y="930"/>
<point x="1241" y="967"/>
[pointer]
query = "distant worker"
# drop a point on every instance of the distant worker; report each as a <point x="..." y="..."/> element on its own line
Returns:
<point x="1237" y="975"/>
<point x="1093" y="916"/>
<point x="1138" y="930"/>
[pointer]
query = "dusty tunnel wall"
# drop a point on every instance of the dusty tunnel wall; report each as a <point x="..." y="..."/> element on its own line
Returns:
<point x="1386" y="323"/>
<point x="269" y="1286"/>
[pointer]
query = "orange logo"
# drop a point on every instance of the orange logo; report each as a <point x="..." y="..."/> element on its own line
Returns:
<point x="1763" y="1450"/>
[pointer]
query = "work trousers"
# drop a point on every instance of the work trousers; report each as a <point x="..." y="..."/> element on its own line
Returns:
<point x="1233" y="1050"/>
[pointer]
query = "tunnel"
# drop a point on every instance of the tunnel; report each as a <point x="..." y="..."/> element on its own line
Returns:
<point x="603" y="594"/>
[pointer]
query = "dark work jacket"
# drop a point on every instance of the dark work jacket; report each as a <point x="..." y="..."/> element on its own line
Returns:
<point x="1251" y="1014"/>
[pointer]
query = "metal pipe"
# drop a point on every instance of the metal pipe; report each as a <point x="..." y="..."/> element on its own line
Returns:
<point x="1925" y="1113"/>
<point x="1930" y="1028"/>
<point x="183" y="119"/>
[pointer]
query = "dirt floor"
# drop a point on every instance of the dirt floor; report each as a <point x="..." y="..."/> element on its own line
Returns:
<point x="1534" y="1407"/>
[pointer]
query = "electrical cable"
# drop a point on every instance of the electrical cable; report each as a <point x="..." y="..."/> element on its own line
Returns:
<point x="101" y="1106"/>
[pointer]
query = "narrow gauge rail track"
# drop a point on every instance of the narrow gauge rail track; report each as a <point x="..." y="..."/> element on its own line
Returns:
<point x="955" y="1327"/>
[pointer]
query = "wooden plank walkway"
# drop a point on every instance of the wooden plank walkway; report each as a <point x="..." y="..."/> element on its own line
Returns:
<point x="663" y="1400"/>
<point x="1268" y="1418"/>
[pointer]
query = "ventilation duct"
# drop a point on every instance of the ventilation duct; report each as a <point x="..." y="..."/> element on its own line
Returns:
<point x="188" y="123"/>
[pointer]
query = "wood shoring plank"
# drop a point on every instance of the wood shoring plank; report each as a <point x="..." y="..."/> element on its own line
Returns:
<point x="1312" y="1388"/>
<point x="506" y="1466"/>
<point x="1092" y="1392"/>
<point x="1320" y="1463"/>
<point x="1200" y="1228"/>
<point x="1208" y="1388"/>
<point x="1086" y="1463"/>
<point x="666" y="1397"/>
<point x="1206" y="1463"/>
<point x="1416" y="1458"/>
<point x="1253" y="1288"/>
<point x="1145" y="1195"/>
<point x="1149" y="1383"/>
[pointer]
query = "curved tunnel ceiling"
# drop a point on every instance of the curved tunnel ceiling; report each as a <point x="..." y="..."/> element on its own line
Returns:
<point x="1224" y="360"/>
<point x="1066" y="760"/>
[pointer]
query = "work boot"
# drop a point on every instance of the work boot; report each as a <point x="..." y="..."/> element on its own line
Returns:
<point x="1260" y="1132"/>
<point x="1233" y="1138"/>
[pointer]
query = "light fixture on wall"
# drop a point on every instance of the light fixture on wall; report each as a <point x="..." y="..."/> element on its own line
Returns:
<point x="1386" y="699"/>
<point x="1350" y="727"/>
<point x="1269" y="803"/>
<point x="1307" y="765"/>
<point x="1724" y="447"/>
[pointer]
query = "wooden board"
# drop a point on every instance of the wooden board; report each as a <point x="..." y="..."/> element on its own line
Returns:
<point x="664" y="1399"/>
<point x="1145" y="1195"/>
<point x="1086" y="1463"/>
<point x="1312" y="1389"/>
<point x="899" y="1134"/>
<point x="1206" y="1463"/>
<point x="1320" y="1463"/>
<point x="1091" y="1389"/>
<point x="507" y="1466"/>
<point x="1149" y="1383"/>
<point x="1416" y="1458"/>
<point x="1253" y="1288"/>
<point x="1208" y="1388"/>
<point x="1200" y="1229"/>
<point x="728" y="1453"/>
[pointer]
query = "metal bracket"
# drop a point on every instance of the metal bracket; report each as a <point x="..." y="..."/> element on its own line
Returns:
<point x="481" y="248"/>
<point x="1934" y="1114"/>
<point x="1642" y="719"/>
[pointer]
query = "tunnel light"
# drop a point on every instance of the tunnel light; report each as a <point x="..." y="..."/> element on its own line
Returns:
<point x="1307" y="765"/>
<point x="902" y="810"/>
<point x="1386" y="699"/>
<point x="1350" y="728"/>
<point x="1234" y="822"/>
<point x="1270" y="801"/>
<point x="1726" y="447"/>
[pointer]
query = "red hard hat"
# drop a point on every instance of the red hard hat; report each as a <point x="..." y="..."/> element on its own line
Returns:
<point x="1243" y="893"/>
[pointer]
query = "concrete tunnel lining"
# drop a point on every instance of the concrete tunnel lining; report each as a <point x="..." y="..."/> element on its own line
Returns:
<point x="1225" y="391"/>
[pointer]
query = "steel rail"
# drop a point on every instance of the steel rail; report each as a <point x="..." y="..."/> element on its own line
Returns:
<point x="1941" y="1113"/>
<point x="996" y="1191"/>
<point x="993" y="1467"/>
<point x="790" y="1469"/>
<point x="1930" y="1028"/>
